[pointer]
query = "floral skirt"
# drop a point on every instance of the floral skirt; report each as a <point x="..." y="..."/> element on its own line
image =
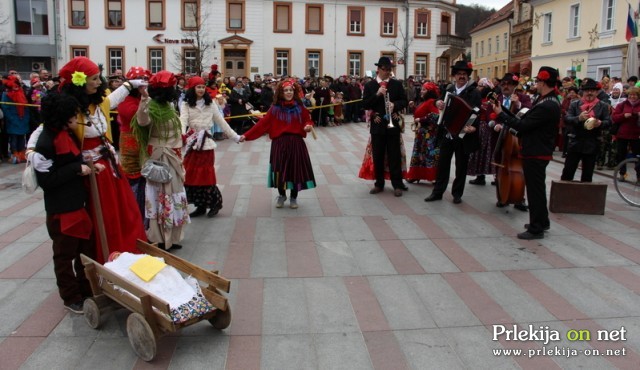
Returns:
<point x="480" y="160"/>
<point x="425" y="155"/>
<point x="366" y="169"/>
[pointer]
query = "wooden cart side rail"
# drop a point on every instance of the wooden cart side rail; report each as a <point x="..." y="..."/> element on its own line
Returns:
<point x="218" y="301"/>
<point x="186" y="266"/>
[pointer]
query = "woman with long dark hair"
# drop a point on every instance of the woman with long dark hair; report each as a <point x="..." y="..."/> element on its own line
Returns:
<point x="287" y="122"/>
<point x="198" y="113"/>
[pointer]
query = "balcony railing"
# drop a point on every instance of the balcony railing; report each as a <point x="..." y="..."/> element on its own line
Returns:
<point x="451" y="40"/>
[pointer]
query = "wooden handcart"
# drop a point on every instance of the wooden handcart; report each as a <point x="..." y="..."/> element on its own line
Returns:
<point x="150" y="317"/>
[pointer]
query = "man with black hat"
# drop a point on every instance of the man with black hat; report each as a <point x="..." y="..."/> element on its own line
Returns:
<point x="450" y="145"/>
<point x="585" y="119"/>
<point x="385" y="138"/>
<point x="537" y="131"/>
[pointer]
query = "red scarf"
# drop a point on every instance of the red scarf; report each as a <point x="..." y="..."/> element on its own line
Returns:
<point x="15" y="93"/>
<point x="588" y="106"/>
<point x="64" y="143"/>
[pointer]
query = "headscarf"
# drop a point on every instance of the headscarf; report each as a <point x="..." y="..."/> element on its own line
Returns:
<point x="485" y="82"/>
<point x="77" y="70"/>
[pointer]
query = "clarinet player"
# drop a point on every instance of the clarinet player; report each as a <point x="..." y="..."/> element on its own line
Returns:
<point x="384" y="127"/>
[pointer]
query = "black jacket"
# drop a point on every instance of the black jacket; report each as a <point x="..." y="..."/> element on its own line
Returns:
<point x="370" y="100"/>
<point x="537" y="129"/>
<point x="470" y="142"/>
<point x="64" y="189"/>
<point x="582" y="140"/>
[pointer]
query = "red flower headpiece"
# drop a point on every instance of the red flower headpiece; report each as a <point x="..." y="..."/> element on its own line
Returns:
<point x="469" y="65"/>
<point x="515" y="78"/>
<point x="543" y="75"/>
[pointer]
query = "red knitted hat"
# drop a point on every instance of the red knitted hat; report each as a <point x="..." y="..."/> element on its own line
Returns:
<point x="195" y="81"/>
<point x="77" y="70"/>
<point x="163" y="79"/>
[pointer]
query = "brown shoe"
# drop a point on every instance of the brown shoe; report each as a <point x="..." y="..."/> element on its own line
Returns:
<point x="397" y="192"/>
<point x="376" y="190"/>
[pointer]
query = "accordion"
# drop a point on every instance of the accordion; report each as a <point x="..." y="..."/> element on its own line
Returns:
<point x="457" y="114"/>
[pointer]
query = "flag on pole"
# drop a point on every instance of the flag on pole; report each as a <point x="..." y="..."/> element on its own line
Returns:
<point x="632" y="31"/>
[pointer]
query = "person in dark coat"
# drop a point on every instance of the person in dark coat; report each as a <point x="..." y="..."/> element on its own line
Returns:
<point x="237" y="100"/>
<point x="461" y="147"/>
<point x="584" y="134"/>
<point x="537" y="131"/>
<point x="385" y="139"/>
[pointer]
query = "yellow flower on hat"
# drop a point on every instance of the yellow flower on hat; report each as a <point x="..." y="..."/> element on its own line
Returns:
<point x="79" y="78"/>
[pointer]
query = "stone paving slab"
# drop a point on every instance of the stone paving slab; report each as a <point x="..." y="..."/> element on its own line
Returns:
<point x="349" y="280"/>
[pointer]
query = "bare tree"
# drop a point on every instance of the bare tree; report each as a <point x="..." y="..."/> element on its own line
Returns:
<point x="7" y="47"/>
<point x="201" y="44"/>
<point x="403" y="48"/>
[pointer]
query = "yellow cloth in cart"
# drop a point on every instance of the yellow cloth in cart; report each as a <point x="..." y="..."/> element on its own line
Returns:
<point x="147" y="267"/>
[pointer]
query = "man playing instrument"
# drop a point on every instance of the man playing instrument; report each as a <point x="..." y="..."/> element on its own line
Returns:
<point x="385" y="97"/>
<point x="537" y="131"/>
<point x="462" y="147"/>
<point x="514" y="101"/>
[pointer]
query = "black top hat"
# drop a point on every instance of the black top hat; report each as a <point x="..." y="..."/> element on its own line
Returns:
<point x="462" y="65"/>
<point x="511" y="78"/>
<point x="384" y="62"/>
<point x="589" y="84"/>
<point x="548" y="74"/>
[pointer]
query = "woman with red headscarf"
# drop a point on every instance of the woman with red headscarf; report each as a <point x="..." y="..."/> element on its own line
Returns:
<point x="81" y="79"/>
<point x="198" y="113"/>
<point x="16" y="117"/>
<point x="424" y="158"/>
<point x="287" y="122"/>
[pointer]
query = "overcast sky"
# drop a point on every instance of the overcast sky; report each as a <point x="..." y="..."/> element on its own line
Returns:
<point x="497" y="4"/>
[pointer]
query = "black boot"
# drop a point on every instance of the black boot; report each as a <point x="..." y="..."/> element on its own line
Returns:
<point x="479" y="180"/>
<point x="198" y="212"/>
<point x="213" y="211"/>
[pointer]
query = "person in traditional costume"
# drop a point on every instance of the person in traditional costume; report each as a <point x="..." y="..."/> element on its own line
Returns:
<point x="158" y="130"/>
<point x="80" y="78"/>
<point x="424" y="158"/>
<point x="129" y="148"/>
<point x="198" y="114"/>
<point x="287" y="122"/>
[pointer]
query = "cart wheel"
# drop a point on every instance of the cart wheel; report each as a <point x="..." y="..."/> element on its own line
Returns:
<point x="91" y="313"/>
<point x="222" y="319"/>
<point x="141" y="337"/>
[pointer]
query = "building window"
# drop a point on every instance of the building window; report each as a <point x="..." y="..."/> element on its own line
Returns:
<point x="190" y="14"/>
<point x="235" y="16"/>
<point x="517" y="47"/>
<point x="607" y="15"/>
<point x="389" y="19"/>
<point x="31" y="17"/>
<point x="78" y="14"/>
<point x="313" y="61"/>
<point x="422" y="28"/>
<point x="506" y="42"/>
<point x="574" y="13"/>
<point x="156" y="59"/>
<point x="355" y="63"/>
<point x="546" y="36"/>
<point x="445" y="24"/>
<point x="489" y="45"/>
<point x="282" y="62"/>
<point x="114" y="13"/>
<point x="482" y="48"/>
<point x="189" y="60"/>
<point x="356" y="21"/>
<point x="603" y="71"/>
<point x="315" y="18"/>
<point x="497" y="44"/>
<point x="282" y="17"/>
<point x="79" y="51"/>
<point x="116" y="59"/>
<point x="421" y="65"/>
<point x="155" y="14"/>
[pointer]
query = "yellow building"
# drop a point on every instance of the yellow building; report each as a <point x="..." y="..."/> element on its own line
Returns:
<point x="490" y="44"/>
<point x="581" y="38"/>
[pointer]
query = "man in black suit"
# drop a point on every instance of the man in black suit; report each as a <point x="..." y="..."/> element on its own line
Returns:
<point x="385" y="139"/>
<point x="450" y="145"/>
<point x="537" y="130"/>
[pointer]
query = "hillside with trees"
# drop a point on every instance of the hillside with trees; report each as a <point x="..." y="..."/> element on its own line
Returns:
<point x="469" y="17"/>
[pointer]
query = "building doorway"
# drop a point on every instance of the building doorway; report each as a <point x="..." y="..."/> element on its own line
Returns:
<point x="235" y="63"/>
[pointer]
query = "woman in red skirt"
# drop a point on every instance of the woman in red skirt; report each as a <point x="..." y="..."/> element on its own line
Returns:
<point x="198" y="113"/>
<point x="287" y="123"/>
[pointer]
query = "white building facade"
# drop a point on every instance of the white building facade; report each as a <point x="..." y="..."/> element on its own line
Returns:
<point x="245" y="37"/>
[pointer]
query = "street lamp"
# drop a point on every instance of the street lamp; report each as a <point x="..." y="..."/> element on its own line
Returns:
<point x="312" y="72"/>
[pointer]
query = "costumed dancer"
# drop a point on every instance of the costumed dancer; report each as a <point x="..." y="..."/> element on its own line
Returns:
<point x="287" y="122"/>
<point x="159" y="132"/>
<point x="81" y="79"/>
<point x="129" y="148"/>
<point x="198" y="114"/>
<point x="424" y="159"/>
<point x="480" y="160"/>
<point x="16" y="117"/>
